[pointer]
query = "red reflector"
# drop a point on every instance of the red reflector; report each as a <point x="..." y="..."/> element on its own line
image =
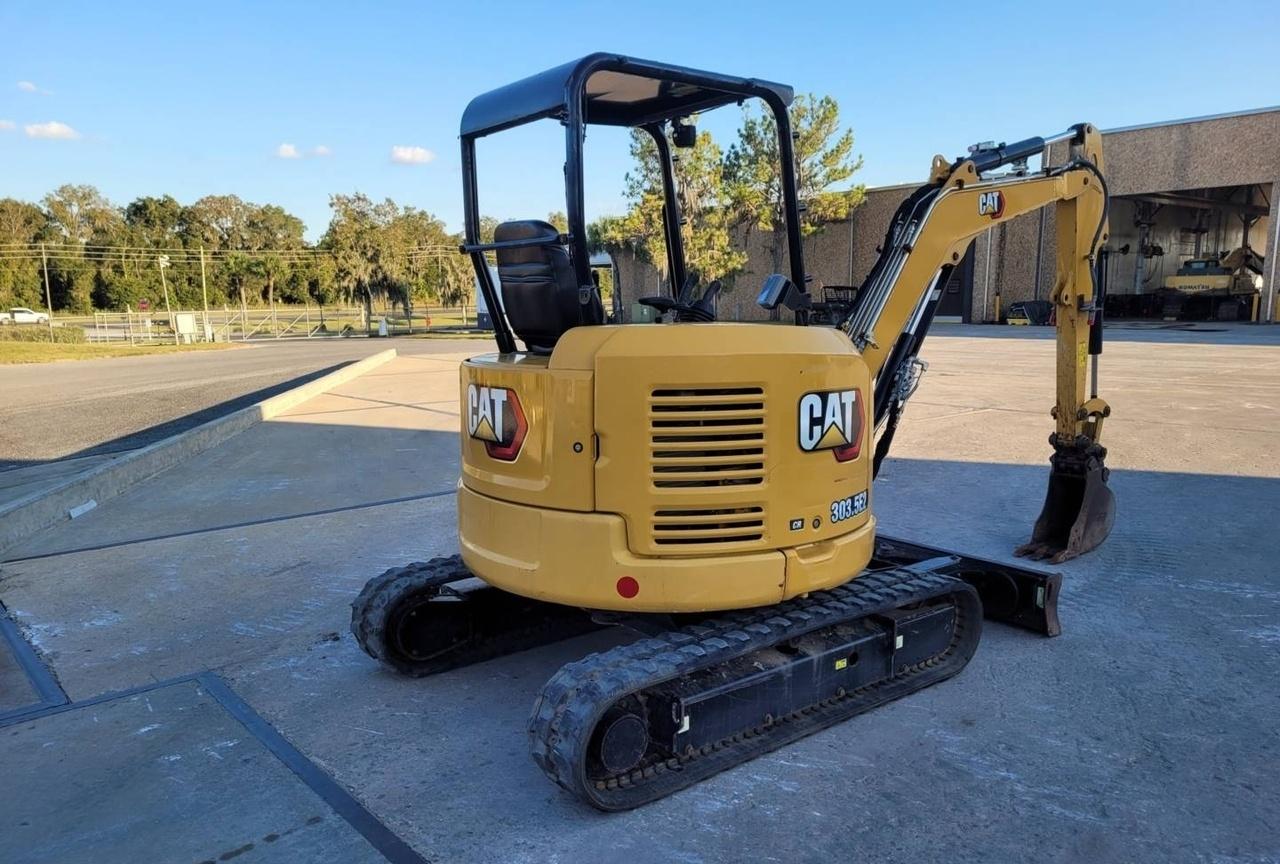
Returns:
<point x="628" y="587"/>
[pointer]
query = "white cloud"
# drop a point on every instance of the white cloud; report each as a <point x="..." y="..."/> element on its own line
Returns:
<point x="288" y="151"/>
<point x="6" y="125"/>
<point x="321" y="150"/>
<point x="411" y="155"/>
<point x="28" y="87"/>
<point x="52" y="129"/>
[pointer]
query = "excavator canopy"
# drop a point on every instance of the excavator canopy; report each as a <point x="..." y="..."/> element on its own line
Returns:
<point x="614" y="91"/>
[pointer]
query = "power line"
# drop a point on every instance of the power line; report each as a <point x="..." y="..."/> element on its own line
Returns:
<point x="115" y="247"/>
<point x="13" y="251"/>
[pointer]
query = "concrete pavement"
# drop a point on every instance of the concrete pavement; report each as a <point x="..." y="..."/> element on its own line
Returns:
<point x="94" y="407"/>
<point x="1144" y="733"/>
<point x="36" y="493"/>
<point x="196" y="787"/>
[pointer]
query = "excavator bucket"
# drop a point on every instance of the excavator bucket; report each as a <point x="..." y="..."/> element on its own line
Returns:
<point x="1079" y="508"/>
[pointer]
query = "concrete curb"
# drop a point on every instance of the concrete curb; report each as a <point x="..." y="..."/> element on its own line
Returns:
<point x="26" y="516"/>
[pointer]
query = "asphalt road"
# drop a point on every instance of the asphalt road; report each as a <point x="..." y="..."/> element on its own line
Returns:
<point x="85" y="408"/>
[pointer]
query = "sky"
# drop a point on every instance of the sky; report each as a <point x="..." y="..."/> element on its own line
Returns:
<point x="286" y="103"/>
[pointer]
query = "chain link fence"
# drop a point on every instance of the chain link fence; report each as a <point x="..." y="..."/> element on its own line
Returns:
<point x="228" y="324"/>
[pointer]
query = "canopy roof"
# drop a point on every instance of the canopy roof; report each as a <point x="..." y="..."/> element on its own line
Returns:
<point x="616" y="91"/>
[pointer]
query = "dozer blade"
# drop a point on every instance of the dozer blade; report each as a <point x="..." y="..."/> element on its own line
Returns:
<point x="1079" y="508"/>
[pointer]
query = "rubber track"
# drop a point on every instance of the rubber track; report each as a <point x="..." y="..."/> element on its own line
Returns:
<point x="369" y="611"/>
<point x="529" y="625"/>
<point x="573" y="701"/>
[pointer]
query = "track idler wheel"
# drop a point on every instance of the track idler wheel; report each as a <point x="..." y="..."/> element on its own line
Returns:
<point x="621" y="740"/>
<point x="1079" y="508"/>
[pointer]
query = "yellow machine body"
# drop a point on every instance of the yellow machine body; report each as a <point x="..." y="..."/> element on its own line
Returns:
<point x="668" y="468"/>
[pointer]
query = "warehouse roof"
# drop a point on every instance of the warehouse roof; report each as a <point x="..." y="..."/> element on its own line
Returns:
<point x="1225" y="116"/>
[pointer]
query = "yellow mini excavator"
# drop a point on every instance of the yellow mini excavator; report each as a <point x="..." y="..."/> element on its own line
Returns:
<point x="708" y="484"/>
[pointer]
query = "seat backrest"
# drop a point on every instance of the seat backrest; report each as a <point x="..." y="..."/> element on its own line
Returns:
<point x="540" y="292"/>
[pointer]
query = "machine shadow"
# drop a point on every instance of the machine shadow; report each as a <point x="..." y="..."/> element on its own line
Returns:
<point x="988" y="509"/>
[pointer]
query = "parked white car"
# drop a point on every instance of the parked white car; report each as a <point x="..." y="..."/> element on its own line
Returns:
<point x="23" y="315"/>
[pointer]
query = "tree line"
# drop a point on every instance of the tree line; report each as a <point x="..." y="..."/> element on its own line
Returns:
<point x="225" y="250"/>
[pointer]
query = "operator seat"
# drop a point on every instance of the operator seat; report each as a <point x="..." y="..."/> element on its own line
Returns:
<point x="540" y="292"/>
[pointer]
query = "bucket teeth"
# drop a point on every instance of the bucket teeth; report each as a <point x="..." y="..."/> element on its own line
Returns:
<point x="1079" y="508"/>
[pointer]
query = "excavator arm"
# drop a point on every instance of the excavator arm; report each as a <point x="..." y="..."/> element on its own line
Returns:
<point x="928" y="237"/>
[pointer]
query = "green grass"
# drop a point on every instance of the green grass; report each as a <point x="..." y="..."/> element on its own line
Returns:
<point x="40" y="333"/>
<point x="44" y="352"/>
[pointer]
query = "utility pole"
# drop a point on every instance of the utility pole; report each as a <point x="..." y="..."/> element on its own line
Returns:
<point x="163" y="261"/>
<point x="204" y="292"/>
<point x="48" y="301"/>
<point x="204" y="289"/>
<point x="271" y="296"/>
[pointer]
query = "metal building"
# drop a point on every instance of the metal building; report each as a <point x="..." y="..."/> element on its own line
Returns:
<point x="1186" y="194"/>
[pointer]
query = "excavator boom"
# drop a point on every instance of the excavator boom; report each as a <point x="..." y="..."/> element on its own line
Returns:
<point x="928" y="237"/>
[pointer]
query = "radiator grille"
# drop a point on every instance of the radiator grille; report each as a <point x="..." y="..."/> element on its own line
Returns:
<point x="707" y="437"/>
<point x="696" y="527"/>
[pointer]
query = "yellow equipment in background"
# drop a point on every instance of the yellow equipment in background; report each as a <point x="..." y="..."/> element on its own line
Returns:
<point x="659" y="475"/>
<point x="1237" y="272"/>
<point x="1221" y="287"/>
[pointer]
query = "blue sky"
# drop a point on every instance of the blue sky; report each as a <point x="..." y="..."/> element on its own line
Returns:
<point x="195" y="99"/>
